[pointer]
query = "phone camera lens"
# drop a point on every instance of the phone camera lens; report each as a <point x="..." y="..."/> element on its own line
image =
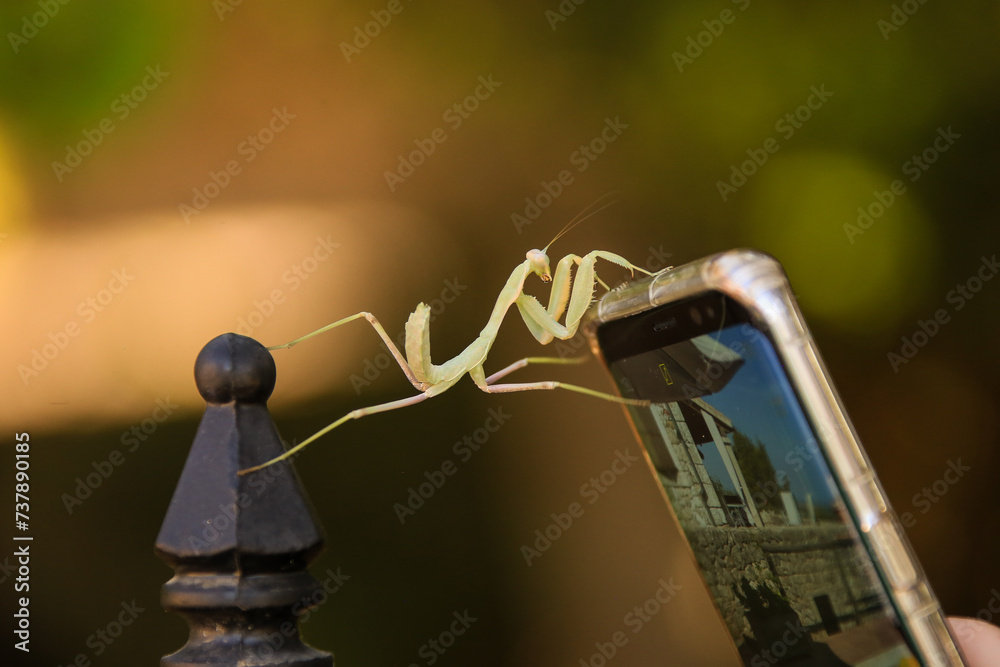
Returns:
<point x="696" y="316"/>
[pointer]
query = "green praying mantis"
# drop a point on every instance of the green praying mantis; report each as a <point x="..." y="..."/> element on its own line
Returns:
<point x="432" y="379"/>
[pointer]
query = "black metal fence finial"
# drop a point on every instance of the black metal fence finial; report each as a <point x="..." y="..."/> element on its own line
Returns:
<point x="239" y="545"/>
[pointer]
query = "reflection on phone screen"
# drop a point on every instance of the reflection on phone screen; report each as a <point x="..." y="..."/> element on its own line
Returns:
<point x="751" y="490"/>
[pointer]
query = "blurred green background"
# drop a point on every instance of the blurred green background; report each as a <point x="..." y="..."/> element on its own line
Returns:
<point x="306" y="227"/>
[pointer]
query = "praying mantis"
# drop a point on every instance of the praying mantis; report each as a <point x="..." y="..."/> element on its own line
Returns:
<point x="432" y="379"/>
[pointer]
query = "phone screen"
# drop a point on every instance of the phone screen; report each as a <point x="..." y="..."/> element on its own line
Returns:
<point x="738" y="460"/>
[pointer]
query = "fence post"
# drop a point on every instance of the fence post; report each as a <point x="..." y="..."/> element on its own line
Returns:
<point x="239" y="545"/>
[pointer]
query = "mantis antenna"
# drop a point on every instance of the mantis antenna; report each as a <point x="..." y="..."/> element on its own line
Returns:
<point x="581" y="216"/>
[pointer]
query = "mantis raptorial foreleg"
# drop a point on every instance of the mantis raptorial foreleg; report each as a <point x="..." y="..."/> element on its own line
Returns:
<point x="543" y="323"/>
<point x="569" y="295"/>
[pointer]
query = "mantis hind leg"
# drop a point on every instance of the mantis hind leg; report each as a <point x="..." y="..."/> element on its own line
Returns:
<point x="397" y="355"/>
<point x="354" y="414"/>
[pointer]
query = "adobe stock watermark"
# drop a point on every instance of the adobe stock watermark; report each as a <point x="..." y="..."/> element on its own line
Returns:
<point x="131" y="440"/>
<point x="800" y="454"/>
<point x="771" y="488"/>
<point x="372" y="368"/>
<point x="562" y="12"/>
<point x="786" y="126"/>
<point x="121" y="107"/>
<point x="22" y="617"/>
<point x="655" y="261"/>
<point x="248" y="149"/>
<point x="294" y="277"/>
<point x="454" y="117"/>
<point x="958" y="297"/>
<point x="696" y="44"/>
<point x="303" y="609"/>
<point x="31" y="25"/>
<point x="102" y="638"/>
<point x="779" y="648"/>
<point x="705" y="379"/>
<point x="8" y="569"/>
<point x="591" y="491"/>
<point x="257" y="482"/>
<point x="87" y="310"/>
<point x="436" y="478"/>
<point x="432" y="650"/>
<point x="914" y="168"/>
<point x="927" y="497"/>
<point x="635" y="620"/>
<point x="364" y="34"/>
<point x="224" y="7"/>
<point x="901" y="13"/>
<point x="988" y="613"/>
<point x="580" y="159"/>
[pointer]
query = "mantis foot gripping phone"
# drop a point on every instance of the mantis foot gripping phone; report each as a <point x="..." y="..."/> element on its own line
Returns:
<point x="804" y="558"/>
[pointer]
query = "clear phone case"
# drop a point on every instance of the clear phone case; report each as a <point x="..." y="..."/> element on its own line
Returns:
<point x="758" y="283"/>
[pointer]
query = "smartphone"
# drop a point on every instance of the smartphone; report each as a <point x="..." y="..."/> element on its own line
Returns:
<point x="802" y="554"/>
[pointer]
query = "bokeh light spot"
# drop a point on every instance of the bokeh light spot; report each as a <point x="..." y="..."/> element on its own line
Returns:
<point x="857" y="276"/>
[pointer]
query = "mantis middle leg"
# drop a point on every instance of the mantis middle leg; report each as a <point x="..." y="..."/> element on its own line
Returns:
<point x="521" y="363"/>
<point x="479" y="377"/>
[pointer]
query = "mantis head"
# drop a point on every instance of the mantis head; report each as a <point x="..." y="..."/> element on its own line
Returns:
<point x="540" y="264"/>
